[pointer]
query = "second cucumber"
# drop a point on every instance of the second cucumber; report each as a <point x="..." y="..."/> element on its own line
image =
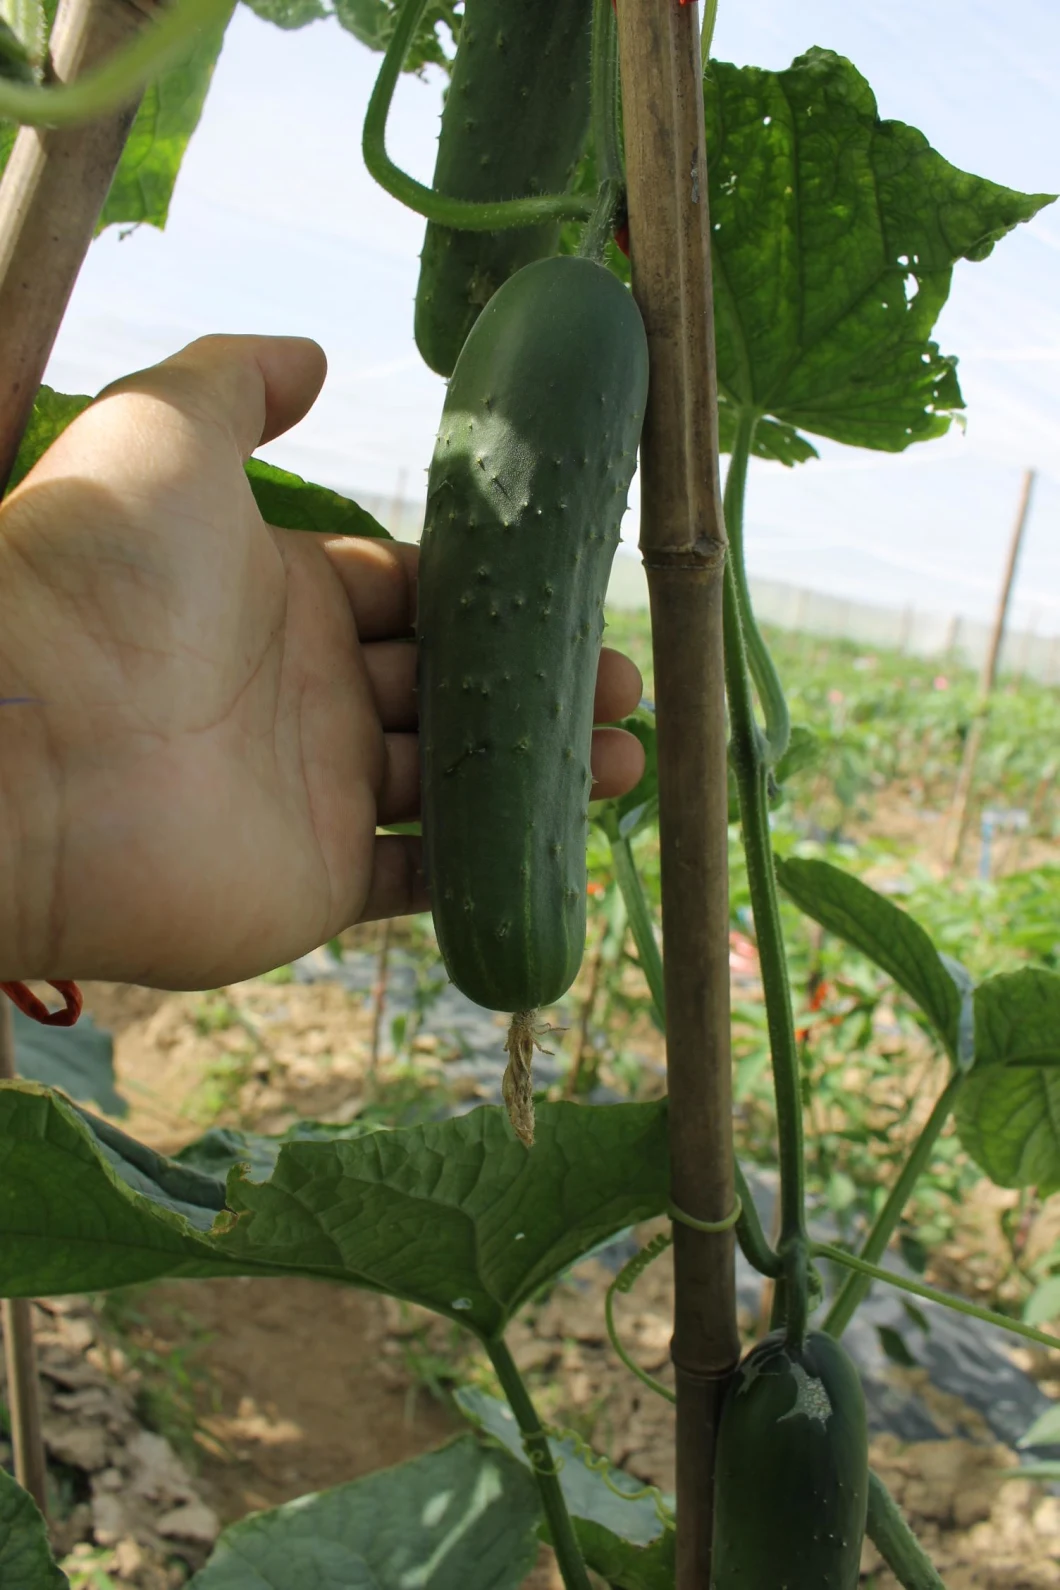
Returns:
<point x="514" y="124"/>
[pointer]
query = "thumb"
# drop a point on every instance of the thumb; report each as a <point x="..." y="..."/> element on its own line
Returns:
<point x="254" y="388"/>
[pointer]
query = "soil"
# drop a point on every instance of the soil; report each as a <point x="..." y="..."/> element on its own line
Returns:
<point x="261" y="1391"/>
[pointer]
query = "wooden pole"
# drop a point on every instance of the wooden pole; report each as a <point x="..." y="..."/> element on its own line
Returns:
<point x="51" y="194"/>
<point x="962" y="795"/>
<point x="683" y="545"/>
<point x="20" y="1358"/>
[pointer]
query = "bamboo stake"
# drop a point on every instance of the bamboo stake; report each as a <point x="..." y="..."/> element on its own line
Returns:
<point x="53" y="189"/>
<point x="962" y="796"/>
<point x="20" y="1358"/>
<point x="683" y="544"/>
<point x="51" y="194"/>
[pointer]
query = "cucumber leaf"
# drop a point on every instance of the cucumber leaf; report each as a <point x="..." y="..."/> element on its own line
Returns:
<point x="168" y="115"/>
<point x="835" y="235"/>
<point x="1017" y="1019"/>
<point x="1008" y="1112"/>
<point x="625" y="1535"/>
<point x="1008" y="1118"/>
<point x="26" y="1561"/>
<point x="464" y="1515"/>
<point x="79" y="1060"/>
<point x="285" y="499"/>
<point x="222" y="1148"/>
<point x="889" y="936"/>
<point x="455" y="1215"/>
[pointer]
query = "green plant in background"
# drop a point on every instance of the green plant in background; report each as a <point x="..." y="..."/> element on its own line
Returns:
<point x="820" y="331"/>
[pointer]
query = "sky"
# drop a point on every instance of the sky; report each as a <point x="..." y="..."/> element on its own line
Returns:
<point x="277" y="227"/>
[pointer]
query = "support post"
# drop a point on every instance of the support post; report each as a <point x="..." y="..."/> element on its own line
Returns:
<point x="684" y="547"/>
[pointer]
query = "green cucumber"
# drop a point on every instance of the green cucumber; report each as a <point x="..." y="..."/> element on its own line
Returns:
<point x="514" y="124"/>
<point x="526" y="493"/>
<point x="792" y="1470"/>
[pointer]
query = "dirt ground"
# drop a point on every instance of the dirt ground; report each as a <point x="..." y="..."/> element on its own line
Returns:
<point x="268" y="1389"/>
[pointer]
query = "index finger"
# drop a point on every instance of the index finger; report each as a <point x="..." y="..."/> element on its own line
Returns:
<point x="379" y="579"/>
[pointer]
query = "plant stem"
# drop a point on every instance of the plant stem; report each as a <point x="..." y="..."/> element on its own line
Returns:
<point x="710" y="17"/>
<point x="761" y="664"/>
<point x="749" y="765"/>
<point x="825" y="1250"/>
<point x="640" y="922"/>
<point x="23" y="1382"/>
<point x="561" y="1530"/>
<point x="683" y="545"/>
<point x="601" y="223"/>
<point x="607" y="139"/>
<point x="461" y="214"/>
<point x="752" y="1239"/>
<point x="856" y="1287"/>
<point x="120" y="79"/>
<point x="894" y="1540"/>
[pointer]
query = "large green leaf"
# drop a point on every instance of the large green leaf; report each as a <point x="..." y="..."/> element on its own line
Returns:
<point x="79" y="1060"/>
<point x="462" y="1518"/>
<point x="168" y="115"/>
<point x="625" y="1535"/>
<point x="456" y="1214"/>
<point x="1017" y="1019"/>
<point x="835" y="235"/>
<point x="1008" y="1118"/>
<point x="222" y="1148"/>
<point x="886" y="934"/>
<point x="76" y="1212"/>
<point x="26" y="1561"/>
<point x="285" y="500"/>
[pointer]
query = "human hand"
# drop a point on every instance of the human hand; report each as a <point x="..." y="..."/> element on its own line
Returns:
<point x="203" y="719"/>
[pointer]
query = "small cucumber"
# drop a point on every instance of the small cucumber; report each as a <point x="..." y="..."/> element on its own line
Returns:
<point x="525" y="496"/>
<point x="792" y="1470"/>
<point x="515" y="121"/>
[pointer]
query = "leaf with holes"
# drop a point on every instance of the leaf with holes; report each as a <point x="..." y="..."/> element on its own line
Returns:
<point x="835" y="236"/>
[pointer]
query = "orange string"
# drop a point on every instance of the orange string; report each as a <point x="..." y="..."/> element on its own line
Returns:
<point x="30" y="1005"/>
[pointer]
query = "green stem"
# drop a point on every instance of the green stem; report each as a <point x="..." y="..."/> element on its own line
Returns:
<point x="706" y="38"/>
<point x="119" y="80"/>
<point x="856" y="1287"/>
<point x="640" y="921"/>
<point x="825" y="1250"/>
<point x="752" y="1239"/>
<point x="763" y="669"/>
<point x="607" y="139"/>
<point x="750" y="768"/>
<point x="894" y="1540"/>
<point x="462" y="214"/>
<point x="601" y="224"/>
<point x="535" y="1441"/>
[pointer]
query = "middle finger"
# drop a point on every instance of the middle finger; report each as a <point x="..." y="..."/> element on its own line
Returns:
<point x="391" y="668"/>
